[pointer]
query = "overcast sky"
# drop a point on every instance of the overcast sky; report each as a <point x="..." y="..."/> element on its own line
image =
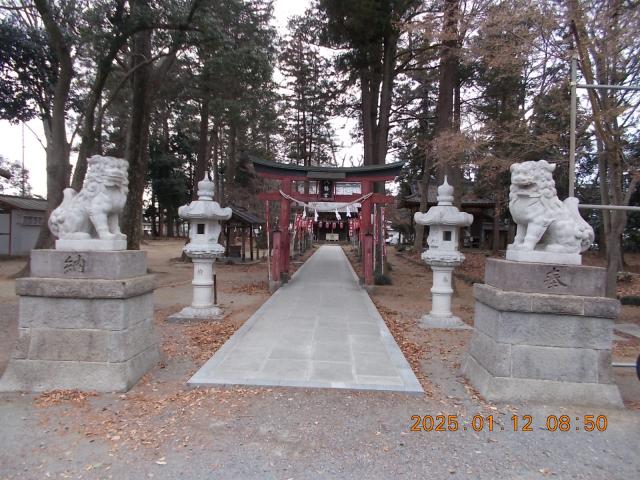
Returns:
<point x="34" y="155"/>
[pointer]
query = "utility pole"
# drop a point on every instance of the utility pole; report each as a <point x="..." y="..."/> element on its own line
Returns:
<point x="22" y="175"/>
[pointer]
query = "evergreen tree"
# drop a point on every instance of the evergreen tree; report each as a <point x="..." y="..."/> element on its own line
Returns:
<point x="309" y="99"/>
<point x="370" y="32"/>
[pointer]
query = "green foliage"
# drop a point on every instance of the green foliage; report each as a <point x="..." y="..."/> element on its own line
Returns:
<point x="27" y="71"/>
<point x="17" y="182"/>
<point x="309" y="101"/>
<point x="361" y="26"/>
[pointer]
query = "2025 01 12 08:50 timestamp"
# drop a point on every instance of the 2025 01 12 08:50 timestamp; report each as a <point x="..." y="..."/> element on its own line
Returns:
<point x="519" y="423"/>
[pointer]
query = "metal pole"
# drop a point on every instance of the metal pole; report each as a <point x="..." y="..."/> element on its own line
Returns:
<point x="572" y="127"/>
<point x="22" y="176"/>
<point x="609" y="87"/>
<point x="587" y="206"/>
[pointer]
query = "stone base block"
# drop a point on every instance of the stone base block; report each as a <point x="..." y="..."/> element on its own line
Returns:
<point x="516" y="390"/>
<point x="85" y="288"/>
<point x="544" y="257"/>
<point x="35" y="375"/>
<point x="82" y="332"/>
<point x="193" y="314"/>
<point x="107" y="265"/>
<point x="91" y="244"/>
<point x="450" y="322"/>
<point x="545" y="278"/>
<point x="541" y="347"/>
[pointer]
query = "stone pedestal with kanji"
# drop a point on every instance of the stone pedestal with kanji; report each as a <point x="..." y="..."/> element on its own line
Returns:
<point x="543" y="333"/>
<point x="86" y="310"/>
<point x="85" y="322"/>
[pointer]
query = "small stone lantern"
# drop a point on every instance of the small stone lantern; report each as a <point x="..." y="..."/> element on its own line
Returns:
<point x="204" y="215"/>
<point x="444" y="221"/>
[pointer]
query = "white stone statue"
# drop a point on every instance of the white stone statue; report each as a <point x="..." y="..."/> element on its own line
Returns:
<point x="89" y="220"/>
<point x="549" y="231"/>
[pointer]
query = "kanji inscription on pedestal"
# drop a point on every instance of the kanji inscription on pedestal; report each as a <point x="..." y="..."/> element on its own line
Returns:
<point x="74" y="263"/>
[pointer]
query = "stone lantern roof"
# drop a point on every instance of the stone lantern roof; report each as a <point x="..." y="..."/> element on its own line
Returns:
<point x="204" y="208"/>
<point x="445" y="213"/>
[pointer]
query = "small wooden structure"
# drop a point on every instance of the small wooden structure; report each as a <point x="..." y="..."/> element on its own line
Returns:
<point x="244" y="221"/>
<point x="481" y="230"/>
<point x="20" y="222"/>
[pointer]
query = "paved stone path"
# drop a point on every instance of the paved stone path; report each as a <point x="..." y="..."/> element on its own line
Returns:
<point x="319" y="330"/>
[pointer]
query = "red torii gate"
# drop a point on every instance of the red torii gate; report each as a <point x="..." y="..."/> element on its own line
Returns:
<point x="286" y="174"/>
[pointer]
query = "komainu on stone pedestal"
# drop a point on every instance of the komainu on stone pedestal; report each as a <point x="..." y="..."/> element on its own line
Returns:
<point x="88" y="220"/>
<point x="86" y="312"/>
<point x="85" y="321"/>
<point x="549" y="231"/>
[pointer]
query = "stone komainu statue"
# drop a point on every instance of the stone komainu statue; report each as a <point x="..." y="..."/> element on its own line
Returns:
<point x="544" y="222"/>
<point x="94" y="211"/>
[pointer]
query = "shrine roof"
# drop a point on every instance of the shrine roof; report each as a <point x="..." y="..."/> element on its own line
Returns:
<point x="23" y="203"/>
<point x="469" y="199"/>
<point x="241" y="215"/>
<point x="286" y="170"/>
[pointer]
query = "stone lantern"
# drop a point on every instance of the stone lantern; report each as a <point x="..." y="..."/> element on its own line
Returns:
<point x="444" y="221"/>
<point x="204" y="215"/>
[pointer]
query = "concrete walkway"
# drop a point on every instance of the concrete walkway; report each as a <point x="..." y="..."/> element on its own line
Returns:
<point x="319" y="330"/>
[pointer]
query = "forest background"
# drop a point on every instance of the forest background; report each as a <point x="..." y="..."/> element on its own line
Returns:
<point x="462" y="88"/>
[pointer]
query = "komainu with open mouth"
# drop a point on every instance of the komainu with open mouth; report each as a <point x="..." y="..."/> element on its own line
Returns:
<point x="94" y="211"/>
<point x="544" y="222"/>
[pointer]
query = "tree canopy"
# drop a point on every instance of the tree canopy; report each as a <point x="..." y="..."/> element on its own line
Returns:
<point x="183" y="87"/>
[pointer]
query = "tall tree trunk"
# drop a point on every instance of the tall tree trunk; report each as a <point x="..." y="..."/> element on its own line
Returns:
<point x="202" y="161"/>
<point x="418" y="241"/>
<point x="368" y="116"/>
<point x="215" y="142"/>
<point x="170" y="224"/>
<point x="154" y="224"/>
<point x="606" y="131"/>
<point x="57" y="154"/>
<point x="386" y="93"/>
<point x="497" y="213"/>
<point x="604" y="198"/>
<point x="138" y="134"/>
<point x="447" y="82"/>
<point x="232" y="157"/>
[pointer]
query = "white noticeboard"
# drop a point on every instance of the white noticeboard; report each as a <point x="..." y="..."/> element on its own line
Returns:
<point x="333" y="237"/>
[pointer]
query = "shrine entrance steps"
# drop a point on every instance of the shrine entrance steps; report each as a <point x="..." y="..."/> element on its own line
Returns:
<point x="320" y="330"/>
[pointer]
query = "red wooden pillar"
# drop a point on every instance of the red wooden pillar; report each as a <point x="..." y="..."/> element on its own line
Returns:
<point x="251" y="240"/>
<point x="285" y="215"/>
<point x="276" y="258"/>
<point x="368" y="259"/>
<point x="365" y="224"/>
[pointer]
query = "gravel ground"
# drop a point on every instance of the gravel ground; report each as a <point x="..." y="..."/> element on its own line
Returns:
<point x="300" y="434"/>
<point x="163" y="430"/>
